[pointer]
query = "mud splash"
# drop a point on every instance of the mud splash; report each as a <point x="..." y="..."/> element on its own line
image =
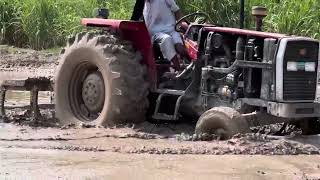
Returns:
<point x="137" y="141"/>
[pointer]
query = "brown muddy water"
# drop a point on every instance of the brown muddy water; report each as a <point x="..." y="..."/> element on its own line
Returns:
<point x="20" y="98"/>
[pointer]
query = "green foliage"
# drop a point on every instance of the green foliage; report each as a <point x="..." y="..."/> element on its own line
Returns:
<point x="10" y="28"/>
<point x="284" y="16"/>
<point x="41" y="24"/>
<point x="69" y="14"/>
<point x="37" y="18"/>
<point x="222" y="12"/>
<point x="296" y="18"/>
<point x="292" y="17"/>
<point x="120" y="9"/>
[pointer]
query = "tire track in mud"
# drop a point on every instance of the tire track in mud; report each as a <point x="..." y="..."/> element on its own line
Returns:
<point x="141" y="143"/>
<point x="138" y="136"/>
<point x="280" y="149"/>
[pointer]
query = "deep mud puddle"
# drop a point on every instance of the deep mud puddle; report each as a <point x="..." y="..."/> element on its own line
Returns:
<point x="22" y="98"/>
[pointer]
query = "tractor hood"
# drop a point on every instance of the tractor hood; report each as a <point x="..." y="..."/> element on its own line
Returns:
<point x="245" y="32"/>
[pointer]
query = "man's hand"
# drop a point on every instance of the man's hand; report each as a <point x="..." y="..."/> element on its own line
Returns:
<point x="182" y="51"/>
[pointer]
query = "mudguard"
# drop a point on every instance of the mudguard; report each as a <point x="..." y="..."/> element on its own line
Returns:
<point x="133" y="31"/>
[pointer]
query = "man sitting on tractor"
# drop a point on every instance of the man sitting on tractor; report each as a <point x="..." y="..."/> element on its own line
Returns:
<point x="160" y="18"/>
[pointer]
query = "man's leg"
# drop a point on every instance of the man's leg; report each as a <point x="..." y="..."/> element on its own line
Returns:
<point x="176" y="63"/>
<point x="168" y="49"/>
<point x="184" y="55"/>
<point x="181" y="49"/>
<point x="179" y="45"/>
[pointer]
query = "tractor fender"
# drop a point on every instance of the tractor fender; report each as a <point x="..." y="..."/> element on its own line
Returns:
<point x="134" y="31"/>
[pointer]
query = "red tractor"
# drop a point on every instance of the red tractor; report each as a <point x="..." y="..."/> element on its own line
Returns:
<point x="116" y="76"/>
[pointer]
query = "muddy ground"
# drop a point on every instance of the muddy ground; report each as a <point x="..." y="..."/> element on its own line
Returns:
<point x="146" y="151"/>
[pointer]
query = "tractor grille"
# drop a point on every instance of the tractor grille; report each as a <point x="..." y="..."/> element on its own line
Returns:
<point x="300" y="85"/>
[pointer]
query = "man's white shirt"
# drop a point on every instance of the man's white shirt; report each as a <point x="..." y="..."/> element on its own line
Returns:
<point x="159" y="16"/>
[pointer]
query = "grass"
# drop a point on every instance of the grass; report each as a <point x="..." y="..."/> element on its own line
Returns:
<point x="42" y="24"/>
<point x="293" y="17"/>
<point x="285" y="16"/>
<point x="221" y="12"/>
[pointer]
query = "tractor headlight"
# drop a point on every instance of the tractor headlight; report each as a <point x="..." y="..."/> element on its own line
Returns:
<point x="292" y="66"/>
<point x="310" y="66"/>
<point x="301" y="66"/>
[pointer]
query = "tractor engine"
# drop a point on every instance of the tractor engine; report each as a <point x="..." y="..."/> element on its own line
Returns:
<point x="279" y="75"/>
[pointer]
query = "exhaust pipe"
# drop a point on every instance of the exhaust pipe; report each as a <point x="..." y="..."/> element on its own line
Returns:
<point x="241" y="14"/>
<point x="259" y="13"/>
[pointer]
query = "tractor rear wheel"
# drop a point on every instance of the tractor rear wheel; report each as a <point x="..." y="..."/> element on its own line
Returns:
<point x="222" y="121"/>
<point x="100" y="81"/>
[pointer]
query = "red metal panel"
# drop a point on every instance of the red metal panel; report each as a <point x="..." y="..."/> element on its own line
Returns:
<point x="135" y="32"/>
<point x="97" y="22"/>
<point x="192" y="48"/>
<point x="245" y="32"/>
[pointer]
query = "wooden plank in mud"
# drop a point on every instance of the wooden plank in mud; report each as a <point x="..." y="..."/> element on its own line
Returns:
<point x="34" y="85"/>
<point x="42" y="84"/>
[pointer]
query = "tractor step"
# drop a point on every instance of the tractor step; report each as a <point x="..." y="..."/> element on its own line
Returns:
<point x="163" y="93"/>
<point x="34" y="85"/>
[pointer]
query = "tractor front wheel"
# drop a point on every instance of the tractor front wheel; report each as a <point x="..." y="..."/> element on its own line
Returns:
<point x="222" y="121"/>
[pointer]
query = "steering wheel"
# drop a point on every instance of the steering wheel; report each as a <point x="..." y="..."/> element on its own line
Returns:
<point x="184" y="18"/>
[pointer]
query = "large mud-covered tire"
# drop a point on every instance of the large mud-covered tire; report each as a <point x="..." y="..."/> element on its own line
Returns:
<point x="124" y="81"/>
<point x="222" y="121"/>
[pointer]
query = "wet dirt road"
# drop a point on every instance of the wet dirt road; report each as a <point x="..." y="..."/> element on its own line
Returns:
<point x="53" y="164"/>
<point x="126" y="153"/>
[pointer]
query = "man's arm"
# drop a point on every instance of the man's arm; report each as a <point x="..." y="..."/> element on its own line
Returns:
<point x="175" y="8"/>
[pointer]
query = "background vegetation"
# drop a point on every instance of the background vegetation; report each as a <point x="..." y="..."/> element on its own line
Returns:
<point x="41" y="24"/>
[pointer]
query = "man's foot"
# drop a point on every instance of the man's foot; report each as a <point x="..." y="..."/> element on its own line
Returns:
<point x="170" y="75"/>
<point x="176" y="64"/>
